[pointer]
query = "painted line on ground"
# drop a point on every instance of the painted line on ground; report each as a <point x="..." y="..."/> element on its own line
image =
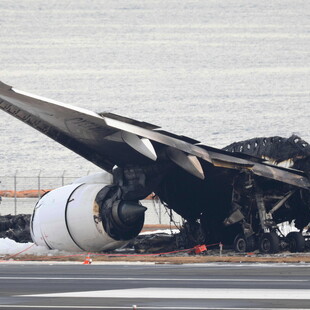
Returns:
<point x="142" y="307"/>
<point x="153" y="279"/>
<point x="187" y="293"/>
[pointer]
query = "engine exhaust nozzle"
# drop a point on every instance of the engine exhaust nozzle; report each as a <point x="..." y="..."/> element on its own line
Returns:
<point x="128" y="213"/>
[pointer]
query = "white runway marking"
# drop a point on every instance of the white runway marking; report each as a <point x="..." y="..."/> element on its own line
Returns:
<point x="188" y="293"/>
<point x="144" y="307"/>
<point x="152" y="279"/>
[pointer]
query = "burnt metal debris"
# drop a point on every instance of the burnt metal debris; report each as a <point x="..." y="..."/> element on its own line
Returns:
<point x="15" y="227"/>
<point x="249" y="207"/>
<point x="238" y="206"/>
<point x="236" y="195"/>
<point x="235" y="207"/>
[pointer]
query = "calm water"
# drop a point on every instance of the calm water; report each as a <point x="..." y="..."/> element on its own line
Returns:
<point x="218" y="71"/>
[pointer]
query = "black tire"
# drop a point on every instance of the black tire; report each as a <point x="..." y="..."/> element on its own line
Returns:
<point x="296" y="242"/>
<point x="269" y="243"/>
<point x="243" y="244"/>
<point x="251" y="243"/>
<point x="240" y="243"/>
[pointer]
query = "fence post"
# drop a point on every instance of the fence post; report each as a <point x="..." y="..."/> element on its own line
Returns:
<point x="15" y="194"/>
<point x="159" y="212"/>
<point x="39" y="184"/>
<point x="63" y="177"/>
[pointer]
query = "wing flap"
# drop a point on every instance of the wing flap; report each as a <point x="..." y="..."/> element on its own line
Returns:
<point x="160" y="138"/>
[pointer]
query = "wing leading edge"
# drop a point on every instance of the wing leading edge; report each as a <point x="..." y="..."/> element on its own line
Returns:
<point x="107" y="139"/>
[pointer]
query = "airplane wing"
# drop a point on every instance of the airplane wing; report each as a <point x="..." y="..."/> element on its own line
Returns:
<point x="107" y="139"/>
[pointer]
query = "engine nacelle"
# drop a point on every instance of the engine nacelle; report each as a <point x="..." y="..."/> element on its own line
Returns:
<point x="88" y="217"/>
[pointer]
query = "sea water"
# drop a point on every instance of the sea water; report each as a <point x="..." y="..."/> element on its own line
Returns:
<point x="217" y="71"/>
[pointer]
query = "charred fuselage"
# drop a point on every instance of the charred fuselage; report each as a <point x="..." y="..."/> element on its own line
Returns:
<point x="229" y="202"/>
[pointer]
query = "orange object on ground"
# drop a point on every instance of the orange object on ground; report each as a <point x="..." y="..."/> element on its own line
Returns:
<point x="87" y="260"/>
<point x="31" y="193"/>
<point x="200" y="248"/>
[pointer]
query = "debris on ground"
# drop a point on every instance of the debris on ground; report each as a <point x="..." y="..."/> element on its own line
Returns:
<point x="16" y="227"/>
<point x="15" y="237"/>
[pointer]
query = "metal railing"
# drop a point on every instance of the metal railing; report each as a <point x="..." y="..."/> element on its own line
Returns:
<point x="21" y="190"/>
<point x="12" y="186"/>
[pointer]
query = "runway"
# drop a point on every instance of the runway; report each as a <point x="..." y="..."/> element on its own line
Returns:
<point x="154" y="286"/>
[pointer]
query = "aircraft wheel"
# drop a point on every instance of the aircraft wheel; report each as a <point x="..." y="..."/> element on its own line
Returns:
<point x="240" y="243"/>
<point x="269" y="243"/>
<point x="243" y="244"/>
<point x="296" y="242"/>
<point x="251" y="243"/>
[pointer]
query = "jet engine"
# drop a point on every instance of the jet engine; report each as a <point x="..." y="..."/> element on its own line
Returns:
<point x="87" y="215"/>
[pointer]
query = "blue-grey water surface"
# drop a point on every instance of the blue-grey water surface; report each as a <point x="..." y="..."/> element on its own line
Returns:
<point x="218" y="71"/>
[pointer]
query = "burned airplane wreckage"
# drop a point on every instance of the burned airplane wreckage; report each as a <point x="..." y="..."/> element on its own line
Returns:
<point x="233" y="195"/>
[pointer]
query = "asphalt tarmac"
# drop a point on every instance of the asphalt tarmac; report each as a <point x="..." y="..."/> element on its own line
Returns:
<point x="154" y="286"/>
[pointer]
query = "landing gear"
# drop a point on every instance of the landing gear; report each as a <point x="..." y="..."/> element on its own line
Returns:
<point x="258" y="210"/>
<point x="244" y="244"/>
<point x="269" y="243"/>
<point x="296" y="242"/>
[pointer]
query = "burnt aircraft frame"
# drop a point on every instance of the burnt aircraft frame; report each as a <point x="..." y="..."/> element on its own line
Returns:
<point x="213" y="188"/>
